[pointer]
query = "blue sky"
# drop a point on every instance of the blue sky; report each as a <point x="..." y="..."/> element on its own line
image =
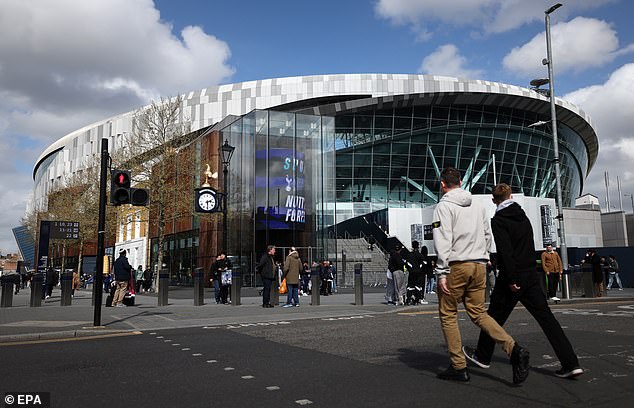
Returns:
<point x="67" y="63"/>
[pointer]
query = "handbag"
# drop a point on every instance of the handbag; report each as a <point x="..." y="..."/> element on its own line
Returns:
<point x="225" y="278"/>
<point x="283" y="288"/>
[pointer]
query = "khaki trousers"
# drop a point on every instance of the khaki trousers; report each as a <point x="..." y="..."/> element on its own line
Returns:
<point x="467" y="282"/>
<point x="122" y="287"/>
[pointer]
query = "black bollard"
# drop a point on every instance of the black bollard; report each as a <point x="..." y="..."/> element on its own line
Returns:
<point x="7" y="293"/>
<point x="236" y="284"/>
<point x="36" y="290"/>
<point x="358" y="284"/>
<point x="315" y="281"/>
<point x="199" y="287"/>
<point x="343" y="268"/>
<point x="67" y="288"/>
<point x="164" y="279"/>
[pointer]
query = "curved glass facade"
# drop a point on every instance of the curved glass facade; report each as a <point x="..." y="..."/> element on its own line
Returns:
<point x="391" y="157"/>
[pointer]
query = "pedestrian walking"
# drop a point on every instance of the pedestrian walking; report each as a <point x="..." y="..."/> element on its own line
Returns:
<point x="613" y="271"/>
<point x="223" y="276"/>
<point x="462" y="237"/>
<point x="49" y="283"/>
<point x="397" y="266"/>
<point x="215" y="279"/>
<point x="292" y="269"/>
<point x="76" y="282"/>
<point x="147" y="279"/>
<point x="519" y="281"/>
<point x="305" y="279"/>
<point x="138" y="279"/>
<point x="266" y="269"/>
<point x="551" y="263"/>
<point x="122" y="275"/>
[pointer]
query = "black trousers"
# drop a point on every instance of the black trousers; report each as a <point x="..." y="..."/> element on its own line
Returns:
<point x="553" y="282"/>
<point x="503" y="301"/>
<point x="266" y="292"/>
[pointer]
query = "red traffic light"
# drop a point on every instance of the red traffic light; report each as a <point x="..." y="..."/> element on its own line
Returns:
<point x="121" y="178"/>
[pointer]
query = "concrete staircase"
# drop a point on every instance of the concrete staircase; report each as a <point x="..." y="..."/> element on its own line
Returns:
<point x="356" y="251"/>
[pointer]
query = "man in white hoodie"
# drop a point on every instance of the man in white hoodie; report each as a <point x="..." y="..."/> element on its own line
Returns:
<point x="462" y="236"/>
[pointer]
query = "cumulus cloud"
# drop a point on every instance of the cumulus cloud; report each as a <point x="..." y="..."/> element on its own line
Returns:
<point x="487" y="16"/>
<point x="611" y="106"/>
<point x="66" y="63"/>
<point x="446" y="60"/>
<point x="580" y="44"/>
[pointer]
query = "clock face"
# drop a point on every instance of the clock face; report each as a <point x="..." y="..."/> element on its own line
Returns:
<point x="207" y="201"/>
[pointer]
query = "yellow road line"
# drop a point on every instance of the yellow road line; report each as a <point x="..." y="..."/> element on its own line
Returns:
<point x="95" y="337"/>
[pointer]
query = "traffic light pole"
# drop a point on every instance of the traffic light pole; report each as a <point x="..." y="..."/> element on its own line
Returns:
<point x="101" y="249"/>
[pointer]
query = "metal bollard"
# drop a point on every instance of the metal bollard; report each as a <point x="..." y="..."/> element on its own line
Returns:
<point x="358" y="284"/>
<point x="7" y="293"/>
<point x="67" y="288"/>
<point x="164" y="279"/>
<point x="343" y="268"/>
<point x="236" y="284"/>
<point x="314" y="279"/>
<point x="199" y="287"/>
<point x="36" y="290"/>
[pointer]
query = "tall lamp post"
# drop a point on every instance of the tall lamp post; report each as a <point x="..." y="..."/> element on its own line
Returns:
<point x="565" y="288"/>
<point x="226" y="152"/>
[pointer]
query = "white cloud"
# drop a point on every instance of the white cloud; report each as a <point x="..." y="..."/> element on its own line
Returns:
<point x="488" y="16"/>
<point x="446" y="60"/>
<point x="611" y="106"/>
<point x="578" y="45"/>
<point x="67" y="63"/>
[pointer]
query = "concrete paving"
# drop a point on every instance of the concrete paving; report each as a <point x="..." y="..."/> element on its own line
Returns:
<point x="22" y="323"/>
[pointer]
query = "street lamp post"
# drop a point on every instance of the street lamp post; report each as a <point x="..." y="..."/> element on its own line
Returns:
<point x="565" y="288"/>
<point x="226" y="151"/>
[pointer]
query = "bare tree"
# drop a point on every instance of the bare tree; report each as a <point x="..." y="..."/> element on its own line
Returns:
<point x="158" y="163"/>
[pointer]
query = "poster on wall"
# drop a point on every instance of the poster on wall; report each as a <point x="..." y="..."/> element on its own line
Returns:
<point x="417" y="232"/>
<point x="286" y="209"/>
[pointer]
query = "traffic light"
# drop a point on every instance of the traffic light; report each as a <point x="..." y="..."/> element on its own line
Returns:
<point x="121" y="192"/>
<point x="120" y="187"/>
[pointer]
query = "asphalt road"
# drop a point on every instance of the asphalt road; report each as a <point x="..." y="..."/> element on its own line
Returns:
<point x="383" y="360"/>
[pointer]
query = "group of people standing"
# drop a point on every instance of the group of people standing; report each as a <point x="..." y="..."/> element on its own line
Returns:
<point x="296" y="274"/>
<point x="407" y="276"/>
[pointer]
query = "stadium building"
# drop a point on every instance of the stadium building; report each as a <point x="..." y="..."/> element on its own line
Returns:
<point x="315" y="153"/>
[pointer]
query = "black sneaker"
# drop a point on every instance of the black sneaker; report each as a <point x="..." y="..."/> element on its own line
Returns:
<point x="452" y="374"/>
<point x="569" y="372"/>
<point x="520" y="361"/>
<point x="471" y="355"/>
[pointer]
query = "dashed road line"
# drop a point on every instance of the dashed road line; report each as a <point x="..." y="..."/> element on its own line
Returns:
<point x="212" y="361"/>
<point x="186" y="349"/>
<point x="197" y="354"/>
<point x="247" y="377"/>
<point x="303" y="402"/>
<point x="273" y="388"/>
<point x="229" y="368"/>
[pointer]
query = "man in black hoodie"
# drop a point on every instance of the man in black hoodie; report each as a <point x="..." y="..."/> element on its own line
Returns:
<point x="519" y="281"/>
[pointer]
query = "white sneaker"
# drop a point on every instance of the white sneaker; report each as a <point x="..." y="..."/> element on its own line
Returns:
<point x="555" y="298"/>
<point x="424" y="302"/>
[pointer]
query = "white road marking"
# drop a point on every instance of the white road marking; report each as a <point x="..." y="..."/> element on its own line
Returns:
<point x="159" y="337"/>
<point x="273" y="388"/>
<point x="176" y="344"/>
<point x="197" y="354"/>
<point x="152" y="334"/>
<point x="247" y="377"/>
<point x="303" y="402"/>
<point x="186" y="349"/>
<point x="167" y="341"/>
<point x="212" y="361"/>
<point x="229" y="368"/>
